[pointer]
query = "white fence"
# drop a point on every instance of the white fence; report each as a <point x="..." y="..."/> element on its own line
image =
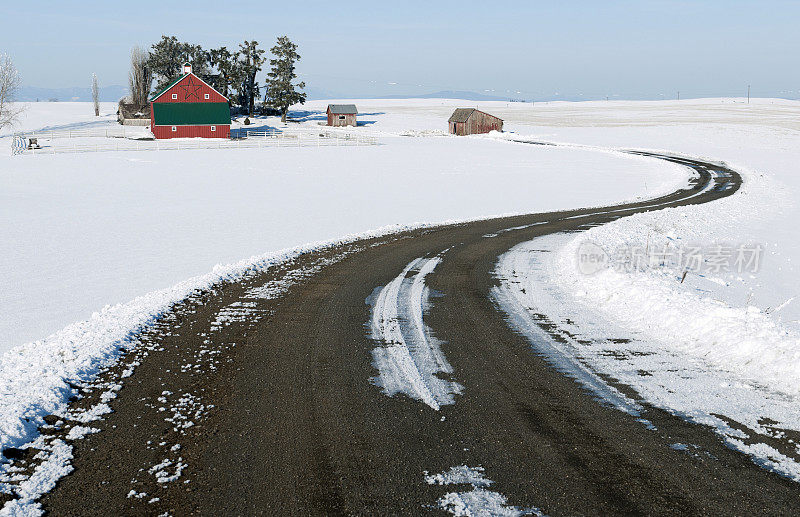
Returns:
<point x="109" y="132"/>
<point x="248" y="140"/>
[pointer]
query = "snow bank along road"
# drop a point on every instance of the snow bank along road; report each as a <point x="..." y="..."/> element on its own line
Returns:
<point x="379" y="377"/>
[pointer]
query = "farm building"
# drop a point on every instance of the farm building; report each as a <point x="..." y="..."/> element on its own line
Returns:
<point x="132" y="115"/>
<point x="188" y="107"/>
<point x="470" y="121"/>
<point x="342" y="115"/>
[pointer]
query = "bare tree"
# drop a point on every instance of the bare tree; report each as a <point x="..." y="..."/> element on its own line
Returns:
<point x="96" y="95"/>
<point x="140" y="78"/>
<point x="9" y="85"/>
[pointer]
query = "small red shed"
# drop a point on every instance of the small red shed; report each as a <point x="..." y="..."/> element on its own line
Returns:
<point x="470" y="121"/>
<point x="189" y="108"/>
<point x="342" y="115"/>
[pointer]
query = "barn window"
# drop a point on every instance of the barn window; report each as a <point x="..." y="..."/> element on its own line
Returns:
<point x="341" y="117"/>
<point x="213" y="128"/>
<point x="175" y="96"/>
<point x="174" y="129"/>
<point x="208" y="96"/>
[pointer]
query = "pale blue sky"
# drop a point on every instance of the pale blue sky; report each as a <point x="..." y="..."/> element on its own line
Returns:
<point x="576" y="49"/>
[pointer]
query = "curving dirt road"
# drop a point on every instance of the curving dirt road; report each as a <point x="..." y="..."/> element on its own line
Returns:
<point x="265" y="397"/>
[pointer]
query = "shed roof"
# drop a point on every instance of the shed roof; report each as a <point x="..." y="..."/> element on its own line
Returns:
<point x="463" y="114"/>
<point x="191" y="113"/>
<point x="342" y="109"/>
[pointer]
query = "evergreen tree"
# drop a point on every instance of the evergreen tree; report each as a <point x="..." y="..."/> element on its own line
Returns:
<point x="168" y="56"/>
<point x="251" y="58"/>
<point x="226" y="64"/>
<point x="281" y="92"/>
<point x="200" y="60"/>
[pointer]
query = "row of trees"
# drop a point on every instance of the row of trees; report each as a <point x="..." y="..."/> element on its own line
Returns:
<point x="232" y="72"/>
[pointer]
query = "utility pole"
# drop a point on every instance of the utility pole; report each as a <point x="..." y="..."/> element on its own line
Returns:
<point x="679" y="95"/>
<point x="748" y="94"/>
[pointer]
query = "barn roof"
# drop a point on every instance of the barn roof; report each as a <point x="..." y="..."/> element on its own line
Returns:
<point x="176" y="81"/>
<point x="167" y="87"/>
<point x="343" y="109"/>
<point x="191" y="113"/>
<point x="462" y="114"/>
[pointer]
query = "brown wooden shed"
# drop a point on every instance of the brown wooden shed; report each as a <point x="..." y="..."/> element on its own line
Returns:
<point x="342" y="115"/>
<point x="470" y="121"/>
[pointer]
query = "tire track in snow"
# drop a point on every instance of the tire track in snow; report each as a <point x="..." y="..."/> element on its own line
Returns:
<point x="410" y="360"/>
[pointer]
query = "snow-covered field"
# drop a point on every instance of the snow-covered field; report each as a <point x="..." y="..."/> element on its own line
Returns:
<point x="87" y="230"/>
<point x="37" y="116"/>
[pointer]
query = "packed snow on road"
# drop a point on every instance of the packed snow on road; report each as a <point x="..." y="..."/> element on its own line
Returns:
<point x="409" y="358"/>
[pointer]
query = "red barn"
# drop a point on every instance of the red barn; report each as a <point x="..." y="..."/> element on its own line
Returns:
<point x="188" y="108"/>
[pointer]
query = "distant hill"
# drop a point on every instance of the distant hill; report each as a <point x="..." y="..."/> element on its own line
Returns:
<point x="75" y="94"/>
<point x="115" y="93"/>
<point x="449" y="94"/>
<point x="314" y="94"/>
